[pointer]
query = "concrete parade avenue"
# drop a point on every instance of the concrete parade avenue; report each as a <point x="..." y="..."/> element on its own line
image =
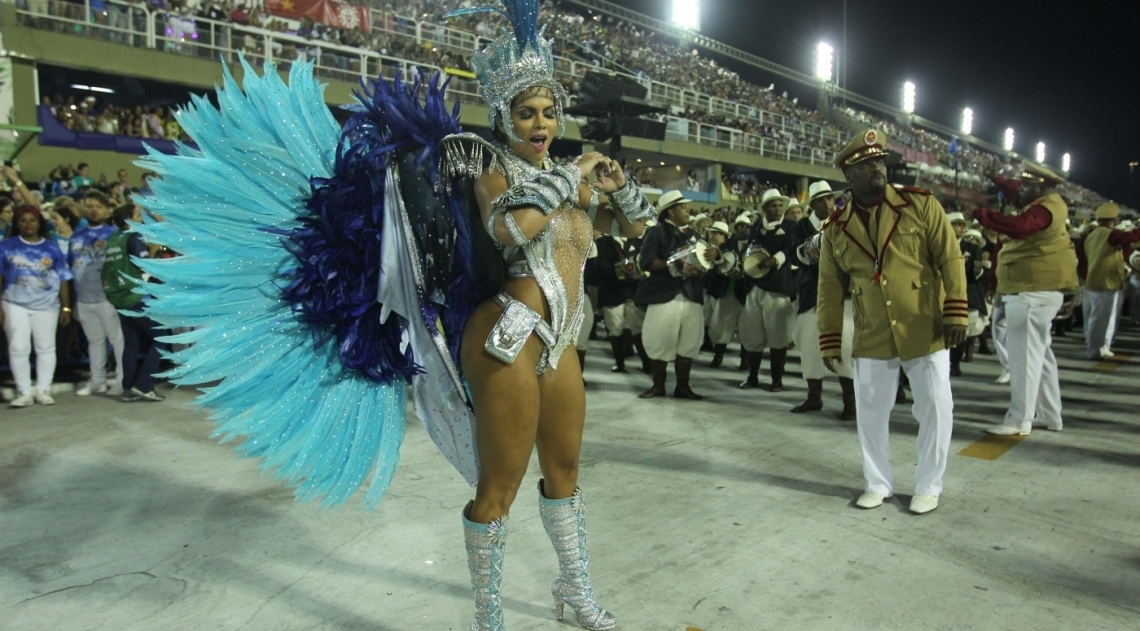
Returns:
<point x="730" y="514"/>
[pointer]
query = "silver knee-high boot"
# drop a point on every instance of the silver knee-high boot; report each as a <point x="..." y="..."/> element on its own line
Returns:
<point x="486" y="545"/>
<point x="565" y="522"/>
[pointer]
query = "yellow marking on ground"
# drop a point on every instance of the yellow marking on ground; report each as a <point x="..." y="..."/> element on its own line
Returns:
<point x="1110" y="365"/>
<point x="693" y="629"/>
<point x="990" y="447"/>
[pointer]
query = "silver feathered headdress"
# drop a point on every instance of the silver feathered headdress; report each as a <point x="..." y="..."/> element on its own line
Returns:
<point x="513" y="63"/>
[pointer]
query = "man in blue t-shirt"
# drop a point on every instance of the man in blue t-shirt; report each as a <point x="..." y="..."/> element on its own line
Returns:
<point x="99" y="319"/>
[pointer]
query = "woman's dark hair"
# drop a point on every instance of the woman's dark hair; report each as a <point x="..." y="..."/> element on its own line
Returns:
<point x="122" y="215"/>
<point x="68" y="215"/>
<point x="14" y="229"/>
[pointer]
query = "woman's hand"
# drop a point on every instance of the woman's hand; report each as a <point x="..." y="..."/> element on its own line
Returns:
<point x="608" y="173"/>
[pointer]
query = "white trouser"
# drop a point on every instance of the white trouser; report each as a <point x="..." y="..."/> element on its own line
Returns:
<point x="673" y="329"/>
<point x="998" y="330"/>
<point x="24" y="328"/>
<point x="1100" y="311"/>
<point x="876" y="382"/>
<point x="806" y="336"/>
<point x="707" y="310"/>
<point x="623" y="317"/>
<point x="583" y="342"/>
<point x="1035" y="390"/>
<point x="100" y="322"/>
<point x="767" y="321"/>
<point x="726" y="312"/>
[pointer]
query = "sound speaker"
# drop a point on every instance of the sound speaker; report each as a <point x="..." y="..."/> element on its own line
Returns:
<point x="603" y="87"/>
<point x="643" y="128"/>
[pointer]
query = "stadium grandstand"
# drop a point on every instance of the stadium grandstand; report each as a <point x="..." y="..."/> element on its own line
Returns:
<point x="708" y="105"/>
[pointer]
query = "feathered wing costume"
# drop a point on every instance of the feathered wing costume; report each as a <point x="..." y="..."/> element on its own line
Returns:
<point x="320" y="274"/>
<point x="323" y="270"/>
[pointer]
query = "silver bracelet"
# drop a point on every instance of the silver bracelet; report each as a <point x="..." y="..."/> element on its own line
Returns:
<point x="632" y="202"/>
<point x="546" y="191"/>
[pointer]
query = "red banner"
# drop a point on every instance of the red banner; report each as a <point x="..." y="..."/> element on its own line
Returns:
<point x="327" y="12"/>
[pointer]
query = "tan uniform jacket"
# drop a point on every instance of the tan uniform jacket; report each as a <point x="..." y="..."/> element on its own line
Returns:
<point x="1106" y="270"/>
<point x="921" y="283"/>
<point x="1046" y="261"/>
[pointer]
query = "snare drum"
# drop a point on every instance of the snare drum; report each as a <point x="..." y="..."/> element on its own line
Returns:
<point x="810" y="248"/>
<point x="753" y="259"/>
<point x="688" y="260"/>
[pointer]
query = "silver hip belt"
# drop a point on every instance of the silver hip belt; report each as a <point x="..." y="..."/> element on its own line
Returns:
<point x="514" y="328"/>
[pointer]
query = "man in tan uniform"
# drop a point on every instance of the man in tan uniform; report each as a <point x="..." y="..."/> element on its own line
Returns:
<point x="1036" y="265"/>
<point x="1102" y="252"/>
<point x="896" y="249"/>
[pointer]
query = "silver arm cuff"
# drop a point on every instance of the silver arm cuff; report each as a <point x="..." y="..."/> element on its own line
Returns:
<point x="632" y="202"/>
<point x="517" y="235"/>
<point x="546" y="191"/>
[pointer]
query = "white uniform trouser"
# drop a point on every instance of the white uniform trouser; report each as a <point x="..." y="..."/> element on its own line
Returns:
<point x="707" y="310"/>
<point x="806" y="336"/>
<point x="24" y="329"/>
<point x="673" y="329"/>
<point x="876" y="382"/>
<point x="100" y="322"/>
<point x="998" y="330"/>
<point x="622" y="317"/>
<point x="1100" y="311"/>
<point x="767" y="321"/>
<point x="1035" y="390"/>
<point x="583" y="341"/>
<point x="726" y="313"/>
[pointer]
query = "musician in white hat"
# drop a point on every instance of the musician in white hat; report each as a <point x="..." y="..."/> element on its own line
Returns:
<point x="977" y="283"/>
<point x="821" y="204"/>
<point x="1102" y="265"/>
<point x="769" y="313"/>
<point x="674" y="325"/>
<point x="720" y="286"/>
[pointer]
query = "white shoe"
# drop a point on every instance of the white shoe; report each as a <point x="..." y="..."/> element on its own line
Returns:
<point x="22" y="401"/>
<point x="44" y="398"/>
<point x="1001" y="429"/>
<point x="115" y="391"/>
<point x="871" y="500"/>
<point x="1043" y="425"/>
<point x="1106" y="354"/>
<point x="922" y="504"/>
<point x="90" y="388"/>
<point x="1003" y="378"/>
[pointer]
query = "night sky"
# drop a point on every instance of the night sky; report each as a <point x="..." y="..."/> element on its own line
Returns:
<point x="1064" y="73"/>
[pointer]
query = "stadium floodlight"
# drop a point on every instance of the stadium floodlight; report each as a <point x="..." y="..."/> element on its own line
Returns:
<point x="908" y="98"/>
<point x="1066" y="162"/>
<point x="687" y="14"/>
<point x="967" y="121"/>
<point x="1041" y="152"/>
<point x="1008" y="144"/>
<point x="824" y="61"/>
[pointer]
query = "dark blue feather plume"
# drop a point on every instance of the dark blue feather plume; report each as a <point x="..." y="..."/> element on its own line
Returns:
<point x="338" y="245"/>
<point x="523" y="15"/>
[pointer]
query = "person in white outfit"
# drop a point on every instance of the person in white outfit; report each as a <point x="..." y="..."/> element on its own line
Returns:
<point x="895" y="251"/>
<point x="99" y="319"/>
<point x="1036" y="265"/>
<point x="36" y="297"/>
<point x="1101" y="251"/>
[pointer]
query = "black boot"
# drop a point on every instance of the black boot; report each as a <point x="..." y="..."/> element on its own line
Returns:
<point x="683" y="390"/>
<point x="848" y="387"/>
<point x="618" y="349"/>
<point x="814" y="401"/>
<point x="582" y="363"/>
<point x="627" y="344"/>
<point x="968" y="354"/>
<point x="718" y="355"/>
<point x="743" y="359"/>
<point x="658" y="369"/>
<point x="956" y="361"/>
<point x="984" y="344"/>
<point x="753" y="380"/>
<point x="646" y="366"/>
<point x="776" y="367"/>
<point x="707" y="344"/>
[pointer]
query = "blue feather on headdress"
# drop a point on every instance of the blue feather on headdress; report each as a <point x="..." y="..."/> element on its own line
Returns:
<point x="523" y="15"/>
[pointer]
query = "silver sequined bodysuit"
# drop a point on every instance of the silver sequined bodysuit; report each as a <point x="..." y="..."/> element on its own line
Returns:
<point x="556" y="257"/>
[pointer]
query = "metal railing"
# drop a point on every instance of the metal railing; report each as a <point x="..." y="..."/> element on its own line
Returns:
<point x="139" y="26"/>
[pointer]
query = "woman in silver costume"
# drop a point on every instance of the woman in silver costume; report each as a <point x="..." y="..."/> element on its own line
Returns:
<point x="526" y="388"/>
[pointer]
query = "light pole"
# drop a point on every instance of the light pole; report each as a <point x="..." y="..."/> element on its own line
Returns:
<point x="967" y="121"/>
<point x="1008" y="144"/>
<point x="1041" y="153"/>
<point x="824" y="62"/>
<point x="908" y="97"/>
<point x="1066" y="162"/>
